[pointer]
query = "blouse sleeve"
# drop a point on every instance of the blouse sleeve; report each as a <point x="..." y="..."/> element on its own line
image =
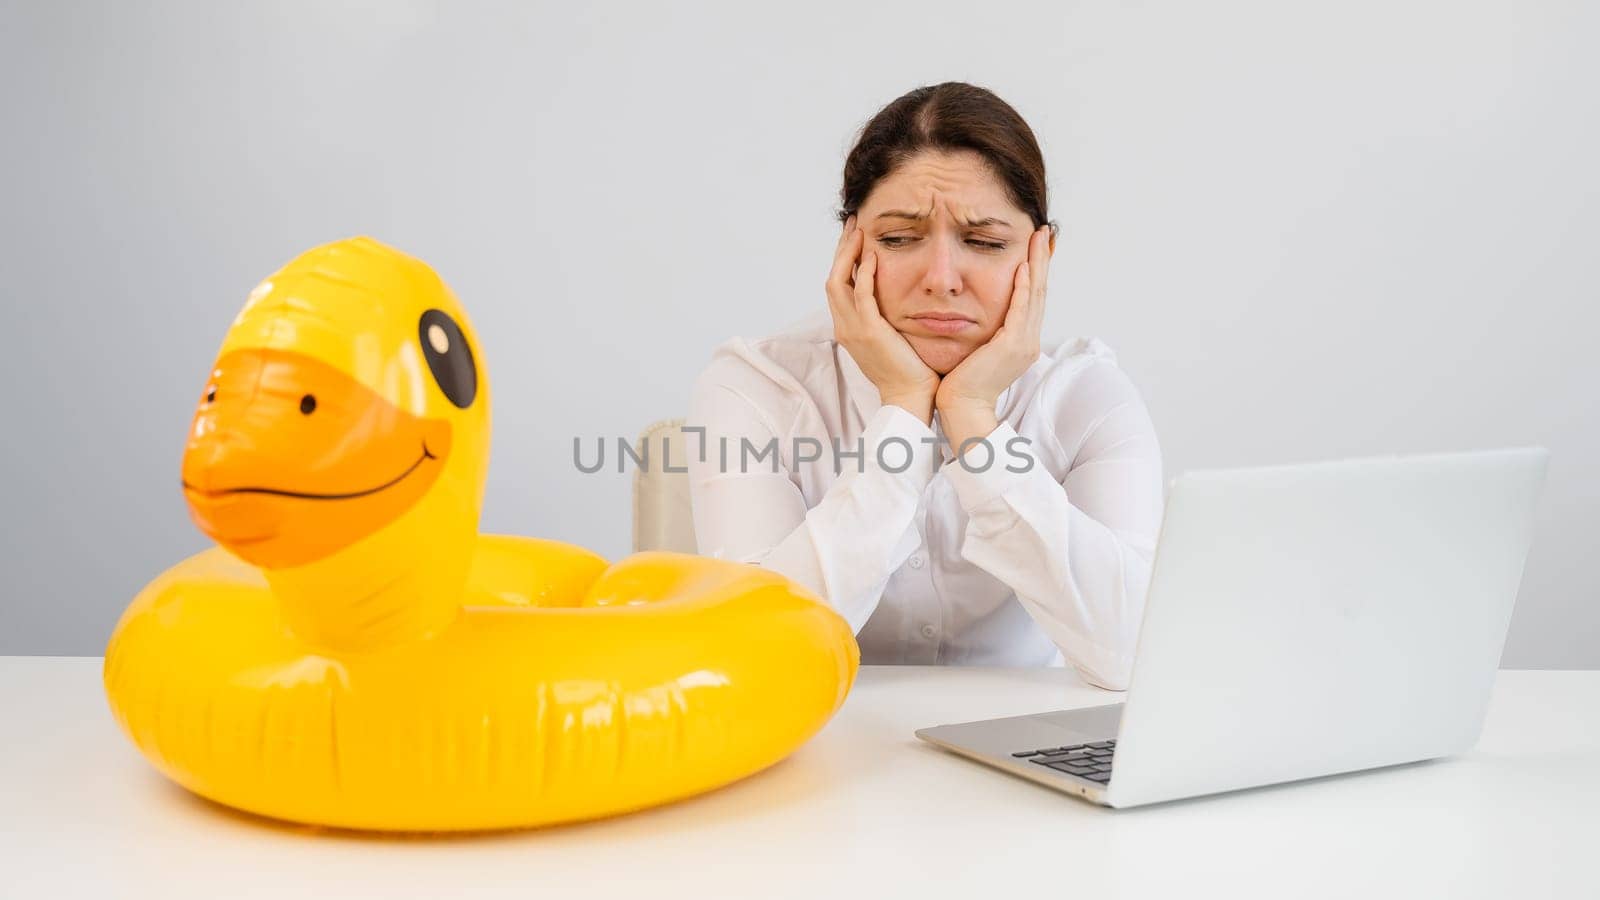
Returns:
<point x="1078" y="552"/>
<point x="846" y="547"/>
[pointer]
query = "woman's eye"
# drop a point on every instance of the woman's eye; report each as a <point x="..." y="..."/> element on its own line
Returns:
<point x="901" y="240"/>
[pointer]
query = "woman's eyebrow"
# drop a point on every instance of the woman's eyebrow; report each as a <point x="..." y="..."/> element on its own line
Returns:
<point x="918" y="217"/>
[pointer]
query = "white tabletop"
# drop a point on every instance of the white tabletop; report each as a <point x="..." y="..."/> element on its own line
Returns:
<point x="863" y="810"/>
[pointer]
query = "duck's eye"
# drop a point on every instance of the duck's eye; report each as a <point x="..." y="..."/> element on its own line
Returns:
<point x="449" y="357"/>
<point x="211" y="395"/>
<point x="308" y="404"/>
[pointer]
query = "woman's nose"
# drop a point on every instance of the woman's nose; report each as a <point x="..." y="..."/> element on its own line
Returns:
<point x="942" y="278"/>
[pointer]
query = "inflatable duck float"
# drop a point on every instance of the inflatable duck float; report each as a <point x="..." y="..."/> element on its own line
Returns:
<point x="355" y="654"/>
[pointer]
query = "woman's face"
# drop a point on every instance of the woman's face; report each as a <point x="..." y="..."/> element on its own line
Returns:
<point x="948" y="242"/>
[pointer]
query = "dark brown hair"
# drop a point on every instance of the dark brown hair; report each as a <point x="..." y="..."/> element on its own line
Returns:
<point x="952" y="116"/>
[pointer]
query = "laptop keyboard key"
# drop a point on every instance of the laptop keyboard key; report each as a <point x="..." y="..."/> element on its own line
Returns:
<point x="1091" y="760"/>
<point x="1066" y="767"/>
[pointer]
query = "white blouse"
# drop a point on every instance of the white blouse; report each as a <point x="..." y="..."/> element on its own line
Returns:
<point x="943" y="561"/>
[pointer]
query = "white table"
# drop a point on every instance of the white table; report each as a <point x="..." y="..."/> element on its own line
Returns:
<point x="863" y="810"/>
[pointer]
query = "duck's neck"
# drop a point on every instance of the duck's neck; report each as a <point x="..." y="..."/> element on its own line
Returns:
<point x="372" y="595"/>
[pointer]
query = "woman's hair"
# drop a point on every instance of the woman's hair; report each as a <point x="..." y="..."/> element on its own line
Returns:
<point x="952" y="116"/>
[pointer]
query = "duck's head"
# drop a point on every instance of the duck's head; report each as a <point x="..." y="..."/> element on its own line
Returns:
<point x="345" y="421"/>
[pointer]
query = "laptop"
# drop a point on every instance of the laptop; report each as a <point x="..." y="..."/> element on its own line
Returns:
<point x="1301" y="621"/>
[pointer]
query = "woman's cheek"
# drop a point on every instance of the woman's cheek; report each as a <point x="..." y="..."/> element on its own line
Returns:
<point x="892" y="294"/>
<point x="1000" y="290"/>
<point x="1005" y="280"/>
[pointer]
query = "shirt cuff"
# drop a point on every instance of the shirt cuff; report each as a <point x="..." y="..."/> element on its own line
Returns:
<point x="895" y="443"/>
<point x="990" y="468"/>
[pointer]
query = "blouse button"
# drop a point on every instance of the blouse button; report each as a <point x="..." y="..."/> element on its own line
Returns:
<point x="929" y="631"/>
<point x="916" y="562"/>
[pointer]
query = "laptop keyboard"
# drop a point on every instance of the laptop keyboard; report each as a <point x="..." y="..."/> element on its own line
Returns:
<point x="1091" y="761"/>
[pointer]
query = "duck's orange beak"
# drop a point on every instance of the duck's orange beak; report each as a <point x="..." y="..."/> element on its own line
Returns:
<point x="290" y="460"/>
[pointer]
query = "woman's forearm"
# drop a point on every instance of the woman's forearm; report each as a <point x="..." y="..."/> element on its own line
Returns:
<point x="967" y="424"/>
<point x="1077" y="553"/>
<point x="846" y="546"/>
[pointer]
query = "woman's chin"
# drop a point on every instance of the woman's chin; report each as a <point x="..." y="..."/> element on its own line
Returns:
<point x="941" y="355"/>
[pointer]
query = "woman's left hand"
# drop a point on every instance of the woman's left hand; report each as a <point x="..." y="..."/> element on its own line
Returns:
<point x="967" y="395"/>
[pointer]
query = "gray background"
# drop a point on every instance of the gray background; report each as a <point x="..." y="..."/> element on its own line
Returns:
<point x="1309" y="230"/>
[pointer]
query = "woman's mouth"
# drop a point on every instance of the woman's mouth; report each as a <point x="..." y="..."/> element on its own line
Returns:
<point x="941" y="323"/>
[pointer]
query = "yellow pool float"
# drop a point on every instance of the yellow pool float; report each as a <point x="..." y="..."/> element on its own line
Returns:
<point x="359" y="656"/>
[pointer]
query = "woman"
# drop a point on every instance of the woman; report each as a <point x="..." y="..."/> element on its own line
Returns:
<point x="958" y="496"/>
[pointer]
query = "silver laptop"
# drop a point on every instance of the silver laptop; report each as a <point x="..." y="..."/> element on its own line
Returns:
<point x="1302" y="620"/>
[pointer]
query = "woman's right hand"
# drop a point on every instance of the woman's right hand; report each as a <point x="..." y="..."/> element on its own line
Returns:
<point x="883" y="354"/>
